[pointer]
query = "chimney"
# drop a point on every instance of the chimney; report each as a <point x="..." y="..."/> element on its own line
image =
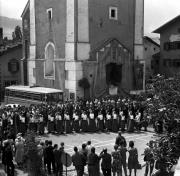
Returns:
<point x="1" y="36"/>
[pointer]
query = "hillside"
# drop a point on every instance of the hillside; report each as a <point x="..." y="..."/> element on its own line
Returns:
<point x="8" y="25"/>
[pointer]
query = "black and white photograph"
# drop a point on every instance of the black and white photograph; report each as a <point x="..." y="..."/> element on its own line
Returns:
<point x="89" y="87"/>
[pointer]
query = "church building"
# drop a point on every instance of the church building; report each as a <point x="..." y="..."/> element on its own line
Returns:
<point x="87" y="48"/>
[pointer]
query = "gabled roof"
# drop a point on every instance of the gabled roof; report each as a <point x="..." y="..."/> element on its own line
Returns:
<point x="161" y="28"/>
<point x="25" y="9"/>
<point x="151" y="40"/>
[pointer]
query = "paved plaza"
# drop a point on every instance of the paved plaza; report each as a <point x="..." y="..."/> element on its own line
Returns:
<point x="100" y="141"/>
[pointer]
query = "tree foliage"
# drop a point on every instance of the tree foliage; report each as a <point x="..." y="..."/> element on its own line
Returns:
<point x="17" y="34"/>
<point x="33" y="160"/>
<point x="84" y="83"/>
<point x="163" y="104"/>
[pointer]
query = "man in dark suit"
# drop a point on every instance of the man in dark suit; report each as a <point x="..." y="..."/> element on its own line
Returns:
<point x="79" y="161"/>
<point x="122" y="151"/>
<point x="93" y="163"/>
<point x="120" y="139"/>
<point x="106" y="162"/>
<point x="50" y="157"/>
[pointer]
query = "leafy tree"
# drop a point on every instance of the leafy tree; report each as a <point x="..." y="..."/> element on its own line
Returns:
<point x="17" y="34"/>
<point x="32" y="158"/>
<point x="163" y="104"/>
<point x="84" y="83"/>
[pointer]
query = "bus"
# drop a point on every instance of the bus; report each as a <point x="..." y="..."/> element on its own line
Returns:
<point x="27" y="95"/>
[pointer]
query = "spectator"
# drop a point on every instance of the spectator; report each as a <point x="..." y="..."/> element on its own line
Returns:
<point x="84" y="151"/>
<point x="120" y="138"/>
<point x="106" y="162"/>
<point x="45" y="154"/>
<point x="50" y="157"/>
<point x="133" y="158"/>
<point x="19" y="156"/>
<point x="117" y="162"/>
<point x="122" y="151"/>
<point x="89" y="146"/>
<point x="78" y="160"/>
<point x="9" y="160"/>
<point x="149" y="159"/>
<point x="57" y="160"/>
<point x="93" y="163"/>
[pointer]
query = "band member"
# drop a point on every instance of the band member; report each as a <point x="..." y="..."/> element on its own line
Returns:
<point x="92" y="123"/>
<point x="76" y="122"/>
<point x="32" y="124"/>
<point x="41" y="124"/>
<point x="131" y="122"/>
<point x="22" y="124"/>
<point x="100" y="121"/>
<point x="137" y="120"/>
<point x="115" y="126"/>
<point x="67" y="121"/>
<point x="108" y="121"/>
<point x="84" y="122"/>
<point x="59" y="123"/>
<point x="122" y="119"/>
<point x="50" y="123"/>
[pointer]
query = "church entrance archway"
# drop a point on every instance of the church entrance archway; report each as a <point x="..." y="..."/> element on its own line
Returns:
<point x="113" y="74"/>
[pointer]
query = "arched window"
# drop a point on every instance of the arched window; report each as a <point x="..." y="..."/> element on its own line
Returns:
<point x="49" y="61"/>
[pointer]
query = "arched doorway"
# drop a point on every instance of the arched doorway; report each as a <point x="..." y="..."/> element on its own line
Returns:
<point x="113" y="74"/>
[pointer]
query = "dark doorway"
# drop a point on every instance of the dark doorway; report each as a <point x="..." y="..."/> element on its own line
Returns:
<point x="113" y="73"/>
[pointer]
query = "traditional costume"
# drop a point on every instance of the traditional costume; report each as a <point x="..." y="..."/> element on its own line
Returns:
<point x="84" y="122"/>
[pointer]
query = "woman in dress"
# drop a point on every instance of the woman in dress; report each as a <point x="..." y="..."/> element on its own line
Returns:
<point x="115" y="126"/>
<point x="130" y="122"/>
<point x="59" y="123"/>
<point x="76" y="122"/>
<point x="67" y="122"/>
<point x="51" y="123"/>
<point x="19" y="145"/>
<point x="133" y="158"/>
<point x="116" y="162"/>
<point x="41" y="125"/>
<point x="84" y="122"/>
<point x="122" y="119"/>
<point x="108" y="121"/>
<point x="92" y="123"/>
<point x="100" y="121"/>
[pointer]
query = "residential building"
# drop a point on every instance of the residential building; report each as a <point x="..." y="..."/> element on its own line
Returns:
<point x="10" y="60"/>
<point x="100" y="40"/>
<point x="170" y="47"/>
<point x="151" y="48"/>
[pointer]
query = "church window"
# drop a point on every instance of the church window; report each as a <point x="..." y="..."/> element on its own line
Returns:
<point x="49" y="67"/>
<point x="113" y="13"/>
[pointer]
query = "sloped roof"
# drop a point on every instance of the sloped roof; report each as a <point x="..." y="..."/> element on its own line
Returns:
<point x="163" y="27"/>
<point x="25" y="9"/>
<point x="151" y="40"/>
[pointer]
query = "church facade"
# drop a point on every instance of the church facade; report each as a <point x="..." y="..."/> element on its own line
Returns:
<point x="69" y="41"/>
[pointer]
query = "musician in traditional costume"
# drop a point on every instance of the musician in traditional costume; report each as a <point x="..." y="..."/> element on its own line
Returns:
<point x="41" y="124"/>
<point x="137" y="120"/>
<point x="59" y="123"/>
<point x="84" y="122"/>
<point x="76" y="122"/>
<point x="51" y="123"/>
<point x="22" y="124"/>
<point x="115" y="125"/>
<point x="108" y="122"/>
<point x="67" y="121"/>
<point x="32" y="124"/>
<point x="92" y="122"/>
<point x="100" y="118"/>
<point x="130" y="127"/>
<point x="122" y="120"/>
